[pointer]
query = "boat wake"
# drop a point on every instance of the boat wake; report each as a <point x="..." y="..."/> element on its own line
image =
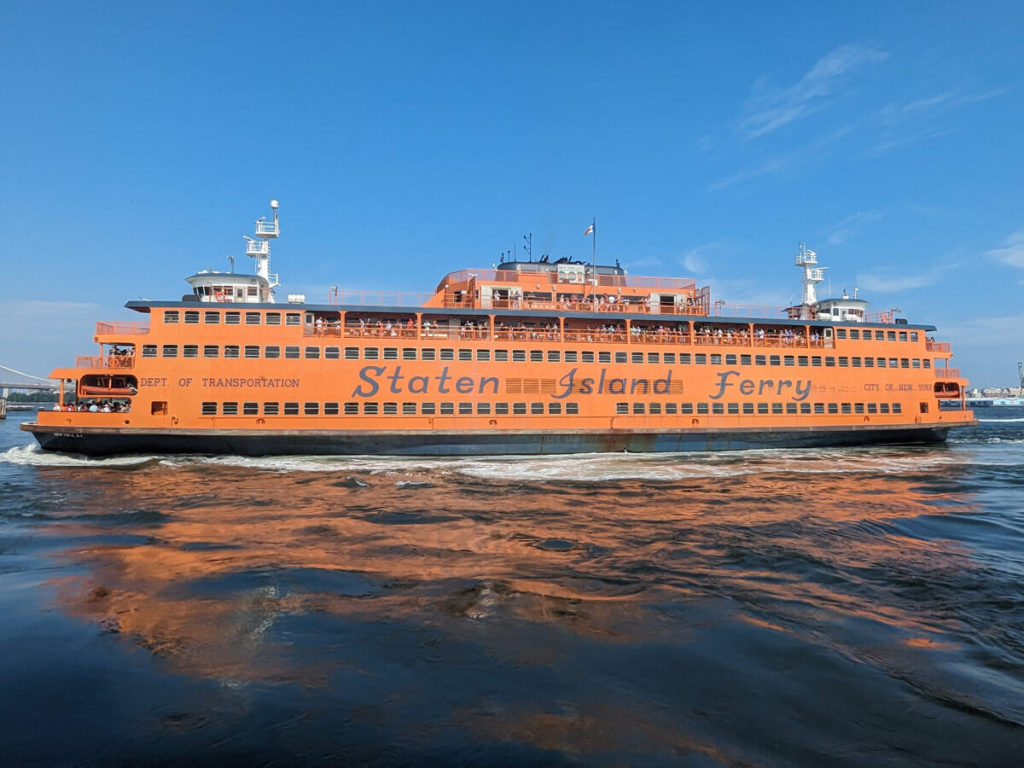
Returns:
<point x="34" y="456"/>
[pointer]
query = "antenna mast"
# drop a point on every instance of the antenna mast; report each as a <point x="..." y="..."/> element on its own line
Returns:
<point x="813" y="274"/>
<point x="260" y="249"/>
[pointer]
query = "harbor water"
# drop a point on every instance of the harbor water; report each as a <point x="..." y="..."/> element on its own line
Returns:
<point x="777" y="608"/>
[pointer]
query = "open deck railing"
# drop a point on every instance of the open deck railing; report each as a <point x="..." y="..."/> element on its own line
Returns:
<point x="121" y="328"/>
<point x="947" y="373"/>
<point x="120" y="362"/>
<point x="937" y="346"/>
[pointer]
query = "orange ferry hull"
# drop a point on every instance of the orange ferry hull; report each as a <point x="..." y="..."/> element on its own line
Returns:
<point x="108" y="441"/>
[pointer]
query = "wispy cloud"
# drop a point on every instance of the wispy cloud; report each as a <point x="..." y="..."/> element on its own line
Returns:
<point x="772" y="109"/>
<point x="841" y="231"/>
<point x="887" y="282"/>
<point x="1011" y="252"/>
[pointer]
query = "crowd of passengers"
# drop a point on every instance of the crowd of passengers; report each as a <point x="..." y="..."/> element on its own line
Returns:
<point x="93" y="406"/>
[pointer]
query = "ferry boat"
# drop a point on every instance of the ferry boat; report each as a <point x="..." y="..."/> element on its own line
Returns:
<point x="528" y="357"/>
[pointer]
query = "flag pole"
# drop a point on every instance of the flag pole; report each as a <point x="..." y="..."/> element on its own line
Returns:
<point x="594" y="251"/>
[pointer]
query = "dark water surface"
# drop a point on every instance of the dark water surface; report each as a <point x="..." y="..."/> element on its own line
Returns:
<point x="832" y="607"/>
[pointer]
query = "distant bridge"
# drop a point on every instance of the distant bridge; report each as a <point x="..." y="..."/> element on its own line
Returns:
<point x="13" y="379"/>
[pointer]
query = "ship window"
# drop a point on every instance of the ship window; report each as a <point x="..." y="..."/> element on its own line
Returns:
<point x="844" y="362"/>
<point x="229" y="409"/>
<point x="483" y="409"/>
<point x="903" y="335"/>
<point x="717" y="408"/>
<point x="169" y="350"/>
<point x="926" y="363"/>
<point x="840" y="333"/>
<point x="408" y="353"/>
<point x="250" y="409"/>
<point x="501" y="355"/>
<point x="428" y="409"/>
<point x="149" y="350"/>
<point x="231" y="350"/>
<point x="802" y="361"/>
<point x="330" y="409"/>
<point x="192" y="317"/>
<point x="774" y="360"/>
<point x="291" y="353"/>
<point x="536" y="356"/>
<point x="830" y="362"/>
<point x="893" y="362"/>
<point x="271" y="409"/>
<point x="686" y="408"/>
<point x="746" y="360"/>
<point x="791" y="408"/>
<point x="890" y="335"/>
<point x="209" y="409"/>
<point x="273" y="318"/>
<point x="332" y="353"/>
<point x="171" y="317"/>
<point x="833" y="408"/>
<point x="501" y="409"/>
<point x="670" y="358"/>
<point x="190" y="350"/>
<point x="653" y="357"/>
<point x="293" y="318"/>
<point x="447" y="354"/>
<point x="620" y="357"/>
<point x="716" y="359"/>
<point x="211" y="318"/>
<point x="883" y="407"/>
<point x="572" y="409"/>
<point x="855" y="362"/>
<point x="700" y="359"/>
<point x="702" y="409"/>
<point x="537" y="409"/>
<point x="913" y="335"/>
<point x="816" y="361"/>
<point x="519" y="409"/>
<point x="845" y="408"/>
<point x="352" y="409"/>
<point x="730" y="359"/>
<point x="872" y="408"/>
<point x="312" y="353"/>
<point x="638" y="409"/>
<point x="211" y="350"/>
<point x="777" y="408"/>
<point x="604" y="357"/>
<point x="670" y="408"/>
<point x="252" y="318"/>
<point x="854" y="333"/>
<point x="869" y="362"/>
<point x="351" y="353"/>
<point x="518" y="355"/>
<point x="370" y="409"/>
<point x="571" y="357"/>
<point x="483" y="354"/>
<point x="272" y="352"/>
<point x="655" y="409"/>
<point x="447" y="409"/>
<point x="789" y="360"/>
<point x="897" y="408"/>
<point x="408" y="409"/>
<point x="465" y="409"/>
<point x="465" y="354"/>
<point x="373" y="353"/>
<point x="252" y="351"/>
<point x="637" y="357"/>
<point x="915" y="363"/>
<point x="733" y="408"/>
<point x="553" y="355"/>
<point x="587" y="356"/>
<point x="858" y="407"/>
<point x="760" y="360"/>
<point x="232" y="318"/>
<point x="428" y="353"/>
<point x="904" y="362"/>
<point x="762" y="408"/>
<point x="622" y="408"/>
<point x="748" y="409"/>
<point x="291" y="409"/>
<point x="391" y="409"/>
<point x="685" y="358"/>
<point x="805" y="408"/>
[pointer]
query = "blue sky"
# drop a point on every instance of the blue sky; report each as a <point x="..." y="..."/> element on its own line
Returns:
<point x="407" y="139"/>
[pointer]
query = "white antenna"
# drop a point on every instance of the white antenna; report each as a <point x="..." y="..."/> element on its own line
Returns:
<point x="813" y="274"/>
<point x="260" y="249"/>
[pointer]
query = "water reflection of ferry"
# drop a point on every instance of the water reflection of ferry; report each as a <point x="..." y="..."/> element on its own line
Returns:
<point x="529" y="357"/>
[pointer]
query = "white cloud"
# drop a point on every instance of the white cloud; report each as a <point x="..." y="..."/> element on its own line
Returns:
<point x="773" y="109"/>
<point x="1011" y="252"/>
<point x="841" y="231"/>
<point x="885" y="282"/>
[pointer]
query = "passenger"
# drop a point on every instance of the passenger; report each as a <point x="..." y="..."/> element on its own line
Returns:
<point x="93" y="408"/>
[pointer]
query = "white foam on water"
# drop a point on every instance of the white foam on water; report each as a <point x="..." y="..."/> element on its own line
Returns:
<point x="34" y="456"/>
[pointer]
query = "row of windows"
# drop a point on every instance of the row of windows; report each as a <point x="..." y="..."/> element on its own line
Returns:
<point x="273" y="352"/>
<point x="253" y="408"/>
<point x="214" y="317"/>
